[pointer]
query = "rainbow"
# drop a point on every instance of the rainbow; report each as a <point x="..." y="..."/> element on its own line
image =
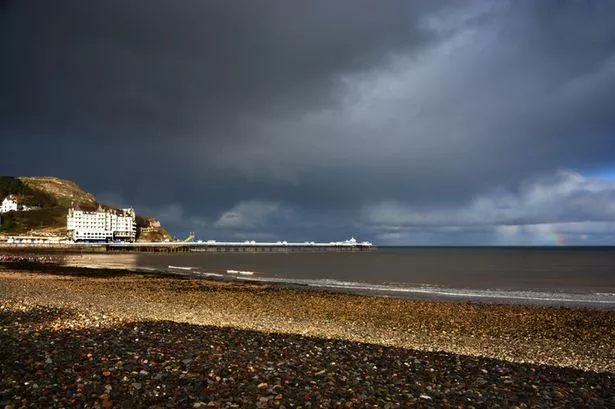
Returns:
<point x="557" y="239"/>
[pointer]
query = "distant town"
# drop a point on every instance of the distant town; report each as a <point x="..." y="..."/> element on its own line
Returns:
<point x="102" y="225"/>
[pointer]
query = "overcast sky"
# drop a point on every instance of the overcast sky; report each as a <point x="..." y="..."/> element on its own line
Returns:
<point x="398" y="122"/>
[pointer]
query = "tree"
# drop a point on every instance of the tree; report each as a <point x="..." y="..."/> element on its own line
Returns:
<point x="11" y="185"/>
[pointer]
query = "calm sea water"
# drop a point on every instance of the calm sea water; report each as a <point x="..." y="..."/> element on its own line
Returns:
<point x="581" y="276"/>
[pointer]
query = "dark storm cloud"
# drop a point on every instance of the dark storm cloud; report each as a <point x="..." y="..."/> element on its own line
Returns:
<point x="181" y="69"/>
<point x="496" y="100"/>
<point x="161" y="80"/>
<point x="311" y="119"/>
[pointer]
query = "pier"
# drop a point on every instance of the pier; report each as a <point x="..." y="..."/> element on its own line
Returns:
<point x="231" y="247"/>
<point x="186" y="247"/>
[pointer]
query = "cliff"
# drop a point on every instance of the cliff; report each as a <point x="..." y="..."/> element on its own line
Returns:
<point x="51" y="198"/>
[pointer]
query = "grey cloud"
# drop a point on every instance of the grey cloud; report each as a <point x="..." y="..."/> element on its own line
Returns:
<point x="563" y="197"/>
<point x="247" y="215"/>
<point x="564" y="206"/>
<point x="542" y="234"/>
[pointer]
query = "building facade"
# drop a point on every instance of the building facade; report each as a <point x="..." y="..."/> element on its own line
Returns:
<point x="10" y="204"/>
<point x="101" y="225"/>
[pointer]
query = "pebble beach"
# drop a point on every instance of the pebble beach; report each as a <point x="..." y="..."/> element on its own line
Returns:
<point x="95" y="338"/>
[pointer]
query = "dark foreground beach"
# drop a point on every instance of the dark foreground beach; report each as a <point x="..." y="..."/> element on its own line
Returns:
<point x="103" y="338"/>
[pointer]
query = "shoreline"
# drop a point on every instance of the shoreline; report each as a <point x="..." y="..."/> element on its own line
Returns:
<point x="115" y="338"/>
<point x="426" y="292"/>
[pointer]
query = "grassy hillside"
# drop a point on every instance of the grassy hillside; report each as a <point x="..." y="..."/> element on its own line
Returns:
<point x="49" y="220"/>
<point x="54" y="197"/>
<point x="65" y="193"/>
<point x="31" y="196"/>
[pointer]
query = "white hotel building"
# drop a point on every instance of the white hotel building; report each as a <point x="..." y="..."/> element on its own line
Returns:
<point x="101" y="225"/>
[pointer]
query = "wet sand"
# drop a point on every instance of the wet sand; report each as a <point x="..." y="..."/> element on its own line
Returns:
<point x="80" y="338"/>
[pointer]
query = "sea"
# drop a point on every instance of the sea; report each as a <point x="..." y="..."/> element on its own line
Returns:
<point x="556" y="276"/>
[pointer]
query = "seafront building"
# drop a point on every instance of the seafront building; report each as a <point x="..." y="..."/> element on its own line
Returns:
<point x="11" y="204"/>
<point x="101" y="225"/>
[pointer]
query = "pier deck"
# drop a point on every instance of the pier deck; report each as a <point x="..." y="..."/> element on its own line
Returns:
<point x="181" y="247"/>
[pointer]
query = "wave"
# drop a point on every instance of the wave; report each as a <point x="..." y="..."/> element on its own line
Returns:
<point x="433" y="291"/>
